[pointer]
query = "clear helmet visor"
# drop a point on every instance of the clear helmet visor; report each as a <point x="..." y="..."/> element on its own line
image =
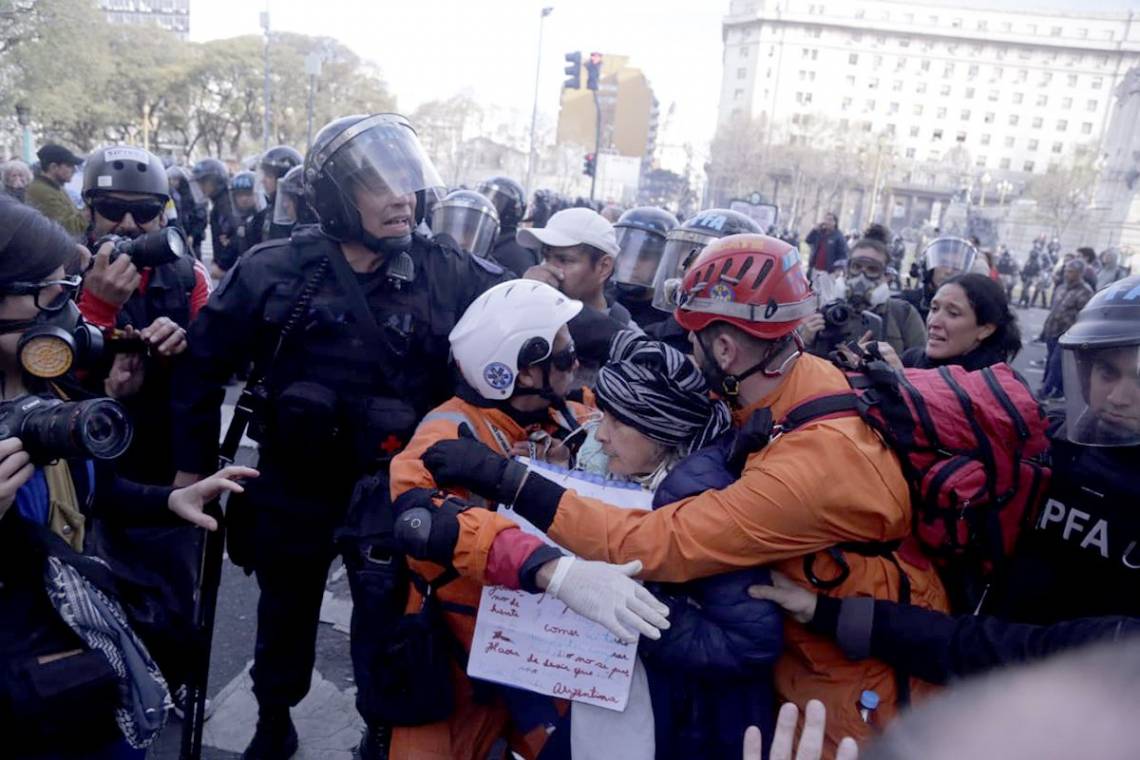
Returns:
<point x="1102" y="395"/>
<point x="681" y="249"/>
<point x="285" y="207"/>
<point x="952" y="254"/>
<point x="197" y="193"/>
<point x="499" y="198"/>
<point x="639" y="255"/>
<point x="473" y="229"/>
<point x="379" y="164"/>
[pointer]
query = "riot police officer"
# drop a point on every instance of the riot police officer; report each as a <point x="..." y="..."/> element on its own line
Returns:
<point x="193" y="216"/>
<point x="682" y="246"/>
<point x="347" y="323"/>
<point x="941" y="259"/>
<point x="275" y="164"/>
<point x="466" y="219"/>
<point x="641" y="237"/>
<point x="290" y="208"/>
<point x="249" y="208"/>
<point x="509" y="201"/>
<point x="211" y="182"/>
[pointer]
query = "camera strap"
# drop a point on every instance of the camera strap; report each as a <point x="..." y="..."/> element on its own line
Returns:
<point x="350" y="286"/>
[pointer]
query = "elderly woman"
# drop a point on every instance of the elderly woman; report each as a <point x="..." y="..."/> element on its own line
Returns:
<point x="15" y="176"/>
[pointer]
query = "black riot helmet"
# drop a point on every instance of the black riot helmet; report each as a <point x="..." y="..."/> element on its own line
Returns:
<point x="641" y="236"/>
<point x="469" y="219"/>
<point x="683" y="243"/>
<point x="365" y="157"/>
<point x="124" y="169"/>
<point x="290" y="206"/>
<point x="279" y="159"/>
<point x="209" y="170"/>
<point x="507" y="197"/>
<point x="1101" y="368"/>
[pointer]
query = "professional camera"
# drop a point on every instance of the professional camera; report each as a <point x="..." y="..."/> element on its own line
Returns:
<point x="52" y="429"/>
<point x="836" y="314"/>
<point x="151" y="249"/>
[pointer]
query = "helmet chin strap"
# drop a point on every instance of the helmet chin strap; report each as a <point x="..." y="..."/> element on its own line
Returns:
<point x="547" y="392"/>
<point x="729" y="385"/>
<point x="385" y="246"/>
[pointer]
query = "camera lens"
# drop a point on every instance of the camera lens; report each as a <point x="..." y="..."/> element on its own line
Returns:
<point x="102" y="429"/>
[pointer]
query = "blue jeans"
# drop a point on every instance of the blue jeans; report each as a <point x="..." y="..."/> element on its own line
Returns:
<point x="1052" y="383"/>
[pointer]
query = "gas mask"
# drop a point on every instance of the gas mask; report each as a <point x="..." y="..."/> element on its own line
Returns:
<point x="54" y="343"/>
<point x="863" y="292"/>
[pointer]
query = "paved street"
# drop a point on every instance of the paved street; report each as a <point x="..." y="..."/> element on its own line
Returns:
<point x="327" y="722"/>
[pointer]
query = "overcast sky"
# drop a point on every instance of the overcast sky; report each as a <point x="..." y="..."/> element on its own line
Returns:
<point x="430" y="49"/>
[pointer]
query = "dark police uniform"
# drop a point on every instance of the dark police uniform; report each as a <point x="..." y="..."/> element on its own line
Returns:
<point x="224" y="221"/>
<point x="340" y="406"/>
<point x="511" y="256"/>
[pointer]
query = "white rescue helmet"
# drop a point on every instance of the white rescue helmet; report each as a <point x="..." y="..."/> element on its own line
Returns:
<point x="499" y="325"/>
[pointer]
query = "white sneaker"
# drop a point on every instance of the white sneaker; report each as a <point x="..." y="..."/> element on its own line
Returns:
<point x="179" y="699"/>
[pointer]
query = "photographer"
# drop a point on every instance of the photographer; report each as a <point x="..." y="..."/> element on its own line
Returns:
<point x="157" y="292"/>
<point x="70" y="656"/>
<point x="867" y="306"/>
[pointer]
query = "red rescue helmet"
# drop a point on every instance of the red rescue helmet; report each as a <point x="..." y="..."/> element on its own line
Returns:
<point x="753" y="282"/>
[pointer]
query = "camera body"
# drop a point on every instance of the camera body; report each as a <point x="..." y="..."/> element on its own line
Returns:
<point x="51" y="429"/>
<point x="151" y="249"/>
<point x="836" y="314"/>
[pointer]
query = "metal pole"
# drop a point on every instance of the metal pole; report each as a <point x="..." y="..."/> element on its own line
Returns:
<point x="534" y="111"/>
<point x="265" y="114"/>
<point x="597" y="142"/>
<point x="309" y="129"/>
<point x="28" y="152"/>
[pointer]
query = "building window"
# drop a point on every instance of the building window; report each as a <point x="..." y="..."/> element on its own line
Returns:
<point x="891" y="129"/>
<point x="910" y="152"/>
<point x="944" y="90"/>
<point x="1062" y="125"/>
<point x="993" y="96"/>
<point x="873" y="83"/>
<point x="985" y="139"/>
<point x="973" y="71"/>
<point x="1006" y="27"/>
<point x="1086" y="128"/>
<point x="956" y="23"/>
<point x="965" y="114"/>
<point x="799" y="97"/>
<point x="969" y="93"/>
<point x="1091" y="105"/>
<point x="1098" y="83"/>
<point x="869" y="106"/>
<point x="1058" y="147"/>
<point x="853" y="59"/>
<point x="1004" y="163"/>
<point x="914" y="131"/>
<point x="1042" y="100"/>
<point x="961" y="137"/>
<point x="1009" y="142"/>
<point x="897" y="85"/>
<point x="850" y="80"/>
<point x="1028" y="167"/>
<point x="738" y="94"/>
<point x="741" y="73"/>
<point x="1072" y="80"/>
<point x="1022" y="75"/>
<point x="1032" y="146"/>
<point x="1066" y="103"/>
<point x="744" y="51"/>
<point x="1038" y="122"/>
<point x="917" y="110"/>
<point x="941" y="114"/>
<point x="936" y="134"/>
<point x="920" y="88"/>
<point x="981" y="162"/>
<point x="1046" y="78"/>
<point x="846" y="103"/>
<point x="1013" y="119"/>
<point x="1055" y="31"/>
<point x="815" y="55"/>
<point x="948" y="71"/>
<point x="1018" y="98"/>
<point x="925" y="64"/>
<point x="894" y="108"/>
<point x="1083" y="33"/>
<point x="983" y="25"/>
<point x="989" y="117"/>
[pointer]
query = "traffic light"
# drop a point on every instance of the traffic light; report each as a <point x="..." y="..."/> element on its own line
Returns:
<point x="589" y="164"/>
<point x="593" y="70"/>
<point x="573" y="71"/>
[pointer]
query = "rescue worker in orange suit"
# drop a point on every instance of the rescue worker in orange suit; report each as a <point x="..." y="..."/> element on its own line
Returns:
<point x="827" y="483"/>
<point x="517" y="361"/>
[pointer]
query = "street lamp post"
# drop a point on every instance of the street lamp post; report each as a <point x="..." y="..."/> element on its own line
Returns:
<point x="265" y="112"/>
<point x="1004" y="188"/>
<point x="313" y="69"/>
<point x="986" y="180"/>
<point x="534" y="110"/>
<point x="24" y="117"/>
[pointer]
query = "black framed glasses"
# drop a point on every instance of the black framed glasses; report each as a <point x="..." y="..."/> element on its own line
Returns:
<point x="563" y="361"/>
<point x="67" y="289"/>
<point x="114" y="210"/>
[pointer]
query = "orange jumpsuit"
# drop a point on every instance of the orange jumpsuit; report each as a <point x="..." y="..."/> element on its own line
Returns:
<point x="828" y="482"/>
<point x="473" y="727"/>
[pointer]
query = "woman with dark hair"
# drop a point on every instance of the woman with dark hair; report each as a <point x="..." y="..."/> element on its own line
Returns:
<point x="69" y="653"/>
<point x="969" y="324"/>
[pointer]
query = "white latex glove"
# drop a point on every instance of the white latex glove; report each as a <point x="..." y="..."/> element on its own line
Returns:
<point x="608" y="595"/>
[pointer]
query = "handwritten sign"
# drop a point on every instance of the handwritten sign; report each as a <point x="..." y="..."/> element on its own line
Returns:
<point x="535" y="642"/>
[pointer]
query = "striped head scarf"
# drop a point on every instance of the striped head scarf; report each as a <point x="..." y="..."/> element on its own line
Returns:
<point x="659" y="392"/>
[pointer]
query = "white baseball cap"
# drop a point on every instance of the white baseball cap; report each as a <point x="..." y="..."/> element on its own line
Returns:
<point x="572" y="226"/>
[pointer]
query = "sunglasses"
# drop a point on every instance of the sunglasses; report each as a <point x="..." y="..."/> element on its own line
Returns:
<point x="563" y="361"/>
<point x="68" y="287"/>
<point x="141" y="211"/>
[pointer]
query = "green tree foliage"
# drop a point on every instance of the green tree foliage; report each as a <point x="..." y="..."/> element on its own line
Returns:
<point x="88" y="82"/>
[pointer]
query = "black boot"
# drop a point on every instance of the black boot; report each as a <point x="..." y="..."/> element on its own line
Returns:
<point x="375" y="743"/>
<point x="275" y="738"/>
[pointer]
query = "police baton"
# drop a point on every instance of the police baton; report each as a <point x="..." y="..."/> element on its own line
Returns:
<point x="209" y="578"/>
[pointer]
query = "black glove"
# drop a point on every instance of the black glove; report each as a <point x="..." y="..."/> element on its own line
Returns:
<point x="424" y="530"/>
<point x="468" y="463"/>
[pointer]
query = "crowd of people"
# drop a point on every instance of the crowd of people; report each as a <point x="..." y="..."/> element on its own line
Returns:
<point x="855" y="499"/>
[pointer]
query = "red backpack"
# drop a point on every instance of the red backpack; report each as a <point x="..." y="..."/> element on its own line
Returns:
<point x="971" y="445"/>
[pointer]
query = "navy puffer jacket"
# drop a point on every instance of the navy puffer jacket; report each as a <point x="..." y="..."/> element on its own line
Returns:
<point x="710" y="672"/>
